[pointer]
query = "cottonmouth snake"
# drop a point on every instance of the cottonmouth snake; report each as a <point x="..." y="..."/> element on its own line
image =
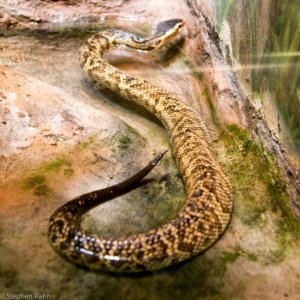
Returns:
<point x="208" y="204"/>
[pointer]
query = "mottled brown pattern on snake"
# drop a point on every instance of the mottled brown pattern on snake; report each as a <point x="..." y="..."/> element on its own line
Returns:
<point x="208" y="205"/>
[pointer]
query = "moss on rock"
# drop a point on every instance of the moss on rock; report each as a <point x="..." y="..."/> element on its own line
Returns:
<point x="260" y="195"/>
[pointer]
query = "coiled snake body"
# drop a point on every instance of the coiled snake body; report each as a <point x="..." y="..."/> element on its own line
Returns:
<point x="208" y="204"/>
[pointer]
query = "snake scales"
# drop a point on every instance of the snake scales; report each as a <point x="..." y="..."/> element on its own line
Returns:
<point x="208" y="204"/>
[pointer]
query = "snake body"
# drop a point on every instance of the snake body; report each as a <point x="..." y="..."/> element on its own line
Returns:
<point x="207" y="209"/>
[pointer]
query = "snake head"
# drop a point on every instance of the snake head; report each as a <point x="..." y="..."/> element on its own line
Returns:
<point x="167" y="30"/>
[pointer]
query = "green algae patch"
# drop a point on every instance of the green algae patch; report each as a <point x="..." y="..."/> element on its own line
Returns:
<point x="261" y="200"/>
<point x="239" y="251"/>
<point x="42" y="190"/>
<point x="124" y="142"/>
<point x="38" y="180"/>
<point x="36" y="183"/>
<point x="191" y="66"/>
<point x="229" y="257"/>
<point x="206" y="93"/>
<point x="213" y="111"/>
<point x="262" y="172"/>
<point x="128" y="137"/>
<point x="68" y="172"/>
<point x="33" y="181"/>
<point x="55" y="164"/>
<point x="86" y="144"/>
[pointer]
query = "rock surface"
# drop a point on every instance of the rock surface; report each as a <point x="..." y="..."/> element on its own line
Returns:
<point x="60" y="137"/>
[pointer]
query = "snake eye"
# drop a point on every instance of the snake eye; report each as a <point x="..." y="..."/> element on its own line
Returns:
<point x="180" y="26"/>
